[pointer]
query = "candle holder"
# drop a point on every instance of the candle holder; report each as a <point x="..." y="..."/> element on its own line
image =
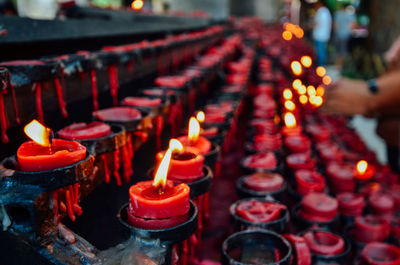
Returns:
<point x="277" y="225"/>
<point x="247" y="170"/>
<point x="303" y="223"/>
<point x="211" y="158"/>
<point x="256" y="247"/>
<point x="245" y="192"/>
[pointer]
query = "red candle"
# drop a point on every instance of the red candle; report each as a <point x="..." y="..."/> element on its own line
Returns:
<point x="300" y="161"/>
<point x="141" y="102"/>
<point x="350" y="204"/>
<point x="261" y="161"/>
<point x="363" y="171"/>
<point x="290" y="127"/>
<point x="264" y="182"/>
<point x="303" y="255"/>
<point x="370" y="228"/>
<point x="324" y="243"/>
<point x="82" y="131"/>
<point x="194" y="140"/>
<point x="329" y="152"/>
<point x="318" y="132"/>
<point x="118" y="114"/>
<point x="341" y="177"/>
<point x="381" y="203"/>
<point x="259" y="212"/>
<point x="298" y="143"/>
<point x="264" y="126"/>
<point x="318" y="207"/>
<point x="266" y="142"/>
<point x="381" y="254"/>
<point x="308" y="181"/>
<point x="215" y="117"/>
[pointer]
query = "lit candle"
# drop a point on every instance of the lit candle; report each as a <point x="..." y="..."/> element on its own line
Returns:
<point x="193" y="139"/>
<point x="290" y="127"/>
<point x="44" y="153"/>
<point x="364" y="171"/>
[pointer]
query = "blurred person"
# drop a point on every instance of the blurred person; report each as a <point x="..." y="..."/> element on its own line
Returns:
<point x="378" y="98"/>
<point x="344" y="20"/>
<point x="321" y="31"/>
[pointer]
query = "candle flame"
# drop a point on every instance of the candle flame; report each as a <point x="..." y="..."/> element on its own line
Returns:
<point x="175" y="145"/>
<point x="311" y="91"/>
<point x="316" y="100"/>
<point x="297" y="84"/>
<point x="290" y="120"/>
<point x="289" y="105"/>
<point x="327" y="80"/>
<point x="296" y="67"/>
<point x="302" y="90"/>
<point x="287" y="94"/>
<point x="137" y="4"/>
<point x="299" y="32"/>
<point x="38" y="133"/>
<point x="321" y="71"/>
<point x="306" y="61"/>
<point x="362" y="166"/>
<point x="303" y="99"/>
<point x="320" y="91"/>
<point x="200" y="116"/>
<point x="287" y="35"/>
<point x="194" y="129"/>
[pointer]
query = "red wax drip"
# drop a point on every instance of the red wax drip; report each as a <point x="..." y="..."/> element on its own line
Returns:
<point x="39" y="108"/>
<point x="116" y="168"/>
<point x="200" y="205"/>
<point x="69" y="206"/>
<point x="185" y="252"/>
<point x="175" y="256"/>
<point x="126" y="163"/>
<point x="114" y="86"/>
<point x="93" y="82"/>
<point x="106" y="170"/>
<point x="54" y="195"/>
<point x="14" y="99"/>
<point x="60" y="97"/>
<point x="130" y="146"/>
<point x="193" y="244"/>
<point x="217" y="168"/>
<point x="3" y="119"/>
<point x="130" y="66"/>
<point x="159" y="128"/>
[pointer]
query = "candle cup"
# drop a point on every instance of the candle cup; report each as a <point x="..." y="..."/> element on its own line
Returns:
<point x="114" y="116"/>
<point x="211" y="158"/>
<point x="35" y="71"/>
<point x="246" y="192"/>
<point x="380" y="254"/>
<point x="277" y="225"/>
<point x="164" y="93"/>
<point x="147" y="105"/>
<point x="303" y="223"/>
<point x="260" y="246"/>
<point x="247" y="170"/>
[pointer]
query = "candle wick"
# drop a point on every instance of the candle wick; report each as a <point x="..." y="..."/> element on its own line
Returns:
<point x="160" y="189"/>
<point x="51" y="137"/>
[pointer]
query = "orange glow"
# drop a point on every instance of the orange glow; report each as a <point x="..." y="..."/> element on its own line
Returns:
<point x="320" y="91"/>
<point x="299" y="32"/>
<point x="194" y="129"/>
<point x="290" y="120"/>
<point x="303" y="99"/>
<point x="289" y="105"/>
<point x="277" y="119"/>
<point x="362" y="166"/>
<point x="302" y="90"/>
<point x="311" y="91"/>
<point x="38" y="133"/>
<point x="306" y="61"/>
<point x="287" y="94"/>
<point x="321" y="71"/>
<point x="160" y="178"/>
<point x="297" y="84"/>
<point x="137" y="4"/>
<point x="200" y="116"/>
<point x="327" y="80"/>
<point x="316" y="100"/>
<point x="290" y="27"/>
<point x="287" y="35"/>
<point x="296" y="68"/>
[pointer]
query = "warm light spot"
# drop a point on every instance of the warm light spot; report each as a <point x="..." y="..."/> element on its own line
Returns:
<point x="321" y="71"/>
<point x="194" y="129"/>
<point x="137" y="4"/>
<point x="289" y="105"/>
<point x="290" y="120"/>
<point x="175" y="145"/>
<point x="316" y="100"/>
<point x="297" y="84"/>
<point x="160" y="178"/>
<point x="311" y="91"/>
<point x="287" y="35"/>
<point x="303" y="99"/>
<point x="320" y="91"/>
<point x="38" y="133"/>
<point x="200" y="116"/>
<point x="306" y="61"/>
<point x="327" y="80"/>
<point x="362" y="166"/>
<point x="302" y="90"/>
<point x="296" y="68"/>
<point x="277" y="119"/>
<point x="290" y="27"/>
<point x="299" y="32"/>
<point x="287" y="94"/>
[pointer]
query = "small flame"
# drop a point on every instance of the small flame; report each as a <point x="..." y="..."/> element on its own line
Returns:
<point x="320" y="91"/>
<point x="175" y="145"/>
<point x="316" y="100"/>
<point x="303" y="99"/>
<point x="200" y="116"/>
<point x="287" y="94"/>
<point x="311" y="91"/>
<point x="194" y="129"/>
<point x="362" y="166"/>
<point x="287" y="35"/>
<point x="327" y="80"/>
<point x="321" y="71"/>
<point x="289" y="105"/>
<point x="137" y="4"/>
<point x="302" y="90"/>
<point x="38" y="133"/>
<point x="296" y="67"/>
<point x="290" y="120"/>
<point x="306" y="61"/>
<point x="297" y="84"/>
<point x="299" y="32"/>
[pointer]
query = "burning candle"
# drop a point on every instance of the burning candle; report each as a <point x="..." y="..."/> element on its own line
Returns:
<point x="290" y="127"/>
<point x="159" y="203"/>
<point x="296" y="67"/>
<point x="44" y="153"/>
<point x="194" y="139"/>
<point x="364" y="171"/>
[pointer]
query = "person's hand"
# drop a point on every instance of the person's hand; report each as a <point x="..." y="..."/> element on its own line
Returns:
<point x="348" y="97"/>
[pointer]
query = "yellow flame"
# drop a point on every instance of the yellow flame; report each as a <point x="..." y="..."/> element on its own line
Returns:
<point x="297" y="84"/>
<point x="320" y="91"/>
<point x="137" y="4"/>
<point x="303" y="99"/>
<point x="299" y="32"/>
<point x="316" y="100"/>
<point x="311" y="91"/>
<point x="200" y="116"/>
<point x="175" y="145"/>
<point x="194" y="129"/>
<point x="38" y="133"/>
<point x="321" y="71"/>
<point x="287" y="94"/>
<point x="277" y="119"/>
<point x="362" y="166"/>
<point x="327" y="80"/>
<point x="306" y="61"/>
<point x="296" y="67"/>
<point x="302" y="90"/>
<point x="287" y="35"/>
<point x="289" y="105"/>
<point x="290" y="120"/>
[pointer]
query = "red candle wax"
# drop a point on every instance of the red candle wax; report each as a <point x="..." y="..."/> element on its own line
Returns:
<point x="302" y="252"/>
<point x="82" y="131"/>
<point x="308" y="181"/>
<point x="298" y="143"/>
<point x="118" y="114"/>
<point x="141" y="102"/>
<point x="380" y="254"/>
<point x="186" y="166"/>
<point x="209" y="132"/>
<point x="264" y="182"/>
<point x="266" y="142"/>
<point x="318" y="207"/>
<point x="341" y="177"/>
<point x="158" y="92"/>
<point x="318" y="132"/>
<point x="370" y="228"/>
<point x="215" y="118"/>
<point x="324" y="243"/>
<point x="350" y="204"/>
<point x="202" y="144"/>
<point x="395" y="191"/>
<point x="300" y="161"/>
<point x="34" y="157"/>
<point x="171" y="81"/>
<point x="264" y="126"/>
<point x="259" y="212"/>
<point x="381" y="203"/>
<point x="287" y="131"/>
<point x="261" y="161"/>
<point x="329" y="152"/>
<point x="150" y="208"/>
